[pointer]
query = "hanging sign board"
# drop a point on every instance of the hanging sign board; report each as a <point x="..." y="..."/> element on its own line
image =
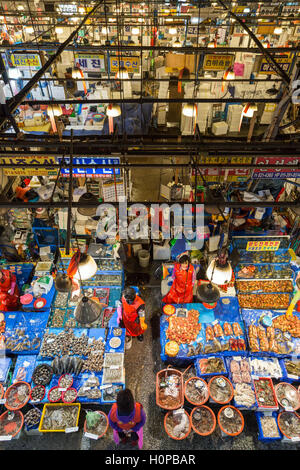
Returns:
<point x="26" y="61"/>
<point x="90" y="62"/>
<point x="283" y="62"/>
<point x="276" y="173"/>
<point x="67" y="8"/>
<point x="217" y="61"/>
<point x="132" y="64"/>
<point x="16" y="170"/>
<point x="90" y="171"/>
<point x="263" y="245"/>
<point x="220" y="174"/>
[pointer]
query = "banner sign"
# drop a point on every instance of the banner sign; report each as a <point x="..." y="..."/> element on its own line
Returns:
<point x="217" y="61"/>
<point x="16" y="161"/>
<point x="90" y="171"/>
<point x="132" y="64"/>
<point x="26" y="61"/>
<point x="67" y="8"/>
<point x="90" y="62"/>
<point x="276" y="173"/>
<point x="220" y="174"/>
<point x="283" y="62"/>
<point x="263" y="245"/>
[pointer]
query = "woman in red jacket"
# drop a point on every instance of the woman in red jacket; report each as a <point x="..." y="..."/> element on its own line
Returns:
<point x="133" y="314"/>
<point x="127" y="417"/>
<point x="184" y="276"/>
<point x="9" y="291"/>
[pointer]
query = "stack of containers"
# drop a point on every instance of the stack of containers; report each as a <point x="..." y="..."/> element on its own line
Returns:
<point x="234" y="117"/>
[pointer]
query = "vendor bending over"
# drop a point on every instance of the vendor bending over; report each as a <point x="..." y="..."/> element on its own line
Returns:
<point x="9" y="291"/>
<point x="133" y="314"/>
<point x="184" y="277"/>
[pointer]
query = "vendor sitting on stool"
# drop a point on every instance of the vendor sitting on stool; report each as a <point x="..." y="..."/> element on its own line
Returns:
<point x="133" y="314"/>
<point x="184" y="276"/>
<point x="9" y="291"/>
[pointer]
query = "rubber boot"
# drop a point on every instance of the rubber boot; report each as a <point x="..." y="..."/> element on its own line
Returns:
<point x="140" y="338"/>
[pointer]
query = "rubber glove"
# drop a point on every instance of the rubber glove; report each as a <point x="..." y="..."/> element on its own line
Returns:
<point x="144" y="326"/>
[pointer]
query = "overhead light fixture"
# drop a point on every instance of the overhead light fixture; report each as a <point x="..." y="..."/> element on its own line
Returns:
<point x="122" y="73"/>
<point x="55" y="110"/>
<point x="208" y="293"/>
<point x="211" y="44"/>
<point x="88" y="198"/>
<point x="111" y="20"/>
<point x="76" y="73"/>
<point x="219" y="271"/>
<point x="229" y="74"/>
<point x="249" y="109"/>
<point x="86" y="268"/>
<point x="189" y="110"/>
<point x="169" y="19"/>
<point x="266" y="44"/>
<point x="135" y="31"/>
<point x="87" y="310"/>
<point x="14" y="73"/>
<point x="113" y="110"/>
<point x="29" y="29"/>
<point x="63" y="283"/>
<point x="177" y="43"/>
<point x="278" y="30"/>
<point x="173" y="31"/>
<point x="59" y="30"/>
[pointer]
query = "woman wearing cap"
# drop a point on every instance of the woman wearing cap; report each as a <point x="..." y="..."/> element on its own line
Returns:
<point x="133" y="313"/>
<point x="184" y="276"/>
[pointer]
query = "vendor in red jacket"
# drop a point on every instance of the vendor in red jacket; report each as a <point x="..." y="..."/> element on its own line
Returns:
<point x="133" y="313"/>
<point x="9" y="291"/>
<point x="184" y="276"/>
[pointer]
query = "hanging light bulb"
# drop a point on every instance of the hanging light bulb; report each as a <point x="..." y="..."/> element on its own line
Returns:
<point x="29" y="29"/>
<point x="172" y="30"/>
<point x="111" y="20"/>
<point x="135" y="31"/>
<point x="122" y="73"/>
<point x="14" y="73"/>
<point x="219" y="272"/>
<point x="113" y="110"/>
<point x="86" y="269"/>
<point x="169" y="19"/>
<point x="189" y="110"/>
<point x="211" y="44"/>
<point x="59" y="30"/>
<point x="88" y="310"/>
<point x="246" y="10"/>
<point x="54" y="110"/>
<point x="278" y="30"/>
<point x="76" y="73"/>
<point x="89" y="198"/>
<point x="229" y="74"/>
<point x="177" y="43"/>
<point x="249" y="110"/>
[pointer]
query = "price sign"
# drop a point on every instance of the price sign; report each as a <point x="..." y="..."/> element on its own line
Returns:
<point x="263" y="245"/>
<point x="217" y="61"/>
<point x="74" y="429"/>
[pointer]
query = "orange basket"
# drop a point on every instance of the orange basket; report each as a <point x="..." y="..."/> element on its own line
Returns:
<point x="293" y="390"/>
<point x="231" y="387"/>
<point x="206" y="386"/>
<point x="63" y="395"/>
<point x="170" y="435"/>
<point x="239" y="413"/>
<point x="212" y="415"/>
<point x="278" y="422"/>
<point x="169" y="309"/>
<point x="15" y="387"/>
<point x="48" y="396"/>
<point x="165" y="373"/>
<point x="1" y="391"/>
<point x="107" y="423"/>
<point x="12" y="428"/>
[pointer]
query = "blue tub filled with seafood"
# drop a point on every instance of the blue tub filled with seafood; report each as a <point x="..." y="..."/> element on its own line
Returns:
<point x="268" y="427"/>
<point x="110" y="391"/>
<point x="24" y="368"/>
<point x="239" y="373"/>
<point x="207" y="367"/>
<point x="59" y="342"/>
<point x="271" y="333"/>
<point x="27" y="333"/>
<point x="270" y="367"/>
<point x="291" y="369"/>
<point x="265" y="257"/>
<point x="88" y="386"/>
<point x="115" y="341"/>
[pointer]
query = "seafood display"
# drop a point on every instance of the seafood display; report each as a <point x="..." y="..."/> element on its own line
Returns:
<point x="292" y="367"/>
<point x="265" y="393"/>
<point x="288" y="324"/>
<point x="289" y="424"/>
<point x="110" y="394"/>
<point x="265" y="257"/>
<point x="69" y="395"/>
<point x="67" y="365"/>
<point x="17" y="395"/>
<point x="96" y="423"/>
<point x="54" y="394"/>
<point x="10" y="422"/>
<point x="287" y="396"/>
<point x="63" y="343"/>
<point x="266" y="367"/>
<point x="196" y="391"/>
<point x="177" y="424"/>
<point x="258" y="301"/>
<point x="57" y="318"/>
<point x="230" y="420"/>
<point x="226" y="337"/>
<point x="203" y="420"/>
<point x="59" y="418"/>
<point x="42" y="374"/>
<point x="211" y="365"/>
<point x="32" y="417"/>
<point x="244" y="395"/>
<point x="220" y="389"/>
<point x="90" y="388"/>
<point x="184" y="330"/>
<point x="169" y="391"/>
<point x="37" y="393"/>
<point x="240" y="371"/>
<point x="269" y="426"/>
<point x="65" y="381"/>
<point x="272" y="339"/>
<point x="61" y="299"/>
<point x="264" y="286"/>
<point x="264" y="272"/>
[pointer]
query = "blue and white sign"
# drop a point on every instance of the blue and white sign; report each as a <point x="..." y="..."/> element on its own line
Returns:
<point x="89" y="170"/>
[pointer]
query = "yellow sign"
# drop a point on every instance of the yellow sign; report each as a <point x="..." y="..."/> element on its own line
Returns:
<point x="63" y="254"/>
<point x="26" y="61"/>
<point x="30" y="171"/>
<point x="132" y="64"/>
<point x="283" y="62"/>
<point x="223" y="160"/>
<point x="16" y="170"/>
<point x="263" y="245"/>
<point x="217" y="61"/>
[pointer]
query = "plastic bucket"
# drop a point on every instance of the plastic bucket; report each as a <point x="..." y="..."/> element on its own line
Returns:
<point x="206" y="394"/>
<point x="278" y="422"/>
<point x="170" y="435"/>
<point x="292" y="389"/>
<point x="231" y="387"/>
<point x="213" y="418"/>
<point x="144" y="257"/>
<point x="107" y="423"/>
<point x="9" y="391"/>
<point x="241" y="416"/>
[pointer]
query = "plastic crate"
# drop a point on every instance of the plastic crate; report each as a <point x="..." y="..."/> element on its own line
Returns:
<point x="51" y="405"/>
<point x="26" y="363"/>
<point x="261" y="436"/>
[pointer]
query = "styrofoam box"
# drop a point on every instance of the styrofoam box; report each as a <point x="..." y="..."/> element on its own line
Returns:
<point x="219" y="128"/>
